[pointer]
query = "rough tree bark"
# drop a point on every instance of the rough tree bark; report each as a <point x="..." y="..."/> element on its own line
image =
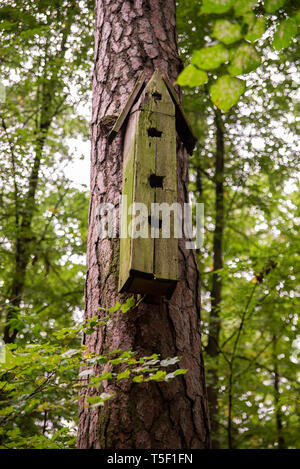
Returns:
<point x="131" y="37"/>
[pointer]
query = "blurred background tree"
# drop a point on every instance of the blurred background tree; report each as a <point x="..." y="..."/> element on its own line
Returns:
<point x="45" y="62"/>
<point x="245" y="171"/>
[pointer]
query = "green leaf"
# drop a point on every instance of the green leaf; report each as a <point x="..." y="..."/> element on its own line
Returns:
<point x="105" y="376"/>
<point x="286" y="30"/>
<point x="97" y="401"/>
<point x="117" y="361"/>
<point x="226" y="92"/>
<point x="152" y="362"/>
<point x="191" y="76"/>
<point x="181" y="371"/>
<point x="216" y="6"/>
<point x="273" y="5"/>
<point x="244" y="60"/>
<point x="169" y="361"/>
<point x="249" y="18"/>
<point x="124" y="375"/>
<point x="115" y="308"/>
<point x="210" y="57"/>
<point x="227" y="32"/>
<point x="159" y="376"/>
<point x="170" y="376"/>
<point x="243" y="6"/>
<point x="138" y="379"/>
<point x="130" y="302"/>
<point x="101" y="360"/>
<point x="175" y="373"/>
<point x="94" y="400"/>
<point x="128" y="354"/>
<point x="257" y="30"/>
<point x="6" y="411"/>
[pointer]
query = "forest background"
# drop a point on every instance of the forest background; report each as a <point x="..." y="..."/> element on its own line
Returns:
<point x="240" y="89"/>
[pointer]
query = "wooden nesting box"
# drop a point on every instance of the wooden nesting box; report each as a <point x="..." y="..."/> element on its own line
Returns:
<point x="149" y="265"/>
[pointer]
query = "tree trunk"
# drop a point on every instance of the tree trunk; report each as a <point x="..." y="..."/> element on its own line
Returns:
<point x="214" y="329"/>
<point x="25" y="237"/>
<point x="131" y="37"/>
<point x="25" y="209"/>
<point x="278" y="413"/>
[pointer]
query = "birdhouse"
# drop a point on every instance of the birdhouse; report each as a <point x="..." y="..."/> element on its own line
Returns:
<point x="152" y="116"/>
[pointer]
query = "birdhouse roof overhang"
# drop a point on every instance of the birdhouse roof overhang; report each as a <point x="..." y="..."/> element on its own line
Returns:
<point x="183" y="127"/>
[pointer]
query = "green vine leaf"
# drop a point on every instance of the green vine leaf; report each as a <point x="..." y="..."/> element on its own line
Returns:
<point x="227" y="32"/>
<point x="211" y="57"/>
<point x="226" y="92"/>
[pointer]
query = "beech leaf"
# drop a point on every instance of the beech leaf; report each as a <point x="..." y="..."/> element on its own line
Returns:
<point x="211" y="57"/>
<point x="216" y="6"/>
<point x="285" y="32"/>
<point x="273" y="5"/>
<point x="191" y="76"/>
<point x="227" y="32"/>
<point x="257" y="30"/>
<point x="226" y="92"/>
<point x="244" y="60"/>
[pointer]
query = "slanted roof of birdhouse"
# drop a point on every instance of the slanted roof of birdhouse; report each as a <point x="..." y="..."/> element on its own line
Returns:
<point x="183" y="127"/>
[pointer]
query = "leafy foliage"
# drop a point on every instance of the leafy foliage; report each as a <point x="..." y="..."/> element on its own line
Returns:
<point x="244" y="22"/>
<point x="39" y="383"/>
<point x="257" y="360"/>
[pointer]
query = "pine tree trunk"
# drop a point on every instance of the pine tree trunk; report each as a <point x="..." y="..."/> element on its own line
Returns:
<point x="131" y="37"/>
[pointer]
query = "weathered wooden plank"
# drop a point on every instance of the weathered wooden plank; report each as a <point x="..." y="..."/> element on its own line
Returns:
<point x="128" y="192"/>
<point x="183" y="127"/>
<point x="136" y="254"/>
<point x="142" y="251"/>
<point x="126" y="110"/>
<point x="166" y="249"/>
